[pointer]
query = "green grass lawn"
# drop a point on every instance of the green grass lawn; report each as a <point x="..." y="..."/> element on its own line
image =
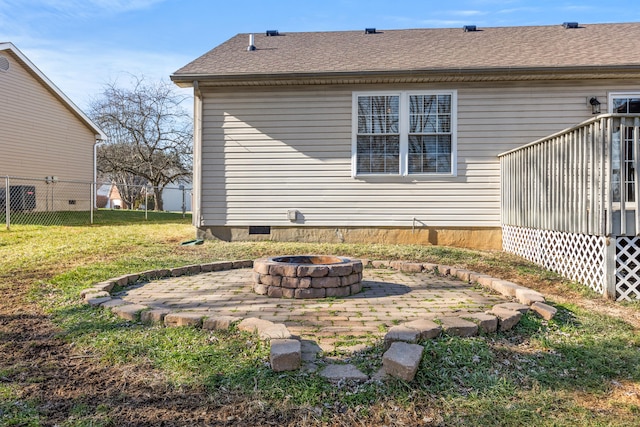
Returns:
<point x="582" y="368"/>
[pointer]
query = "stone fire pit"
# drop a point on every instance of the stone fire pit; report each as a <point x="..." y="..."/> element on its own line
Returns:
<point x="307" y="276"/>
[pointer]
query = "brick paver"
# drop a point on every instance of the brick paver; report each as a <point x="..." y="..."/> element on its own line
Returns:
<point x="388" y="298"/>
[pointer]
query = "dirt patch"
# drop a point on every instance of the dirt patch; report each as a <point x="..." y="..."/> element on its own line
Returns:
<point x="66" y="384"/>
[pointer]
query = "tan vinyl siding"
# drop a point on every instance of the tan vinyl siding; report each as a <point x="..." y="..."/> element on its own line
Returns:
<point x="267" y="151"/>
<point x="39" y="135"/>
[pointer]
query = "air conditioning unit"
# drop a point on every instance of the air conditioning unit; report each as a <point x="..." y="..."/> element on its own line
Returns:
<point x="23" y="198"/>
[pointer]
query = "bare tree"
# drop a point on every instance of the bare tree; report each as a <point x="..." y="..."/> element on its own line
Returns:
<point x="130" y="186"/>
<point x="149" y="135"/>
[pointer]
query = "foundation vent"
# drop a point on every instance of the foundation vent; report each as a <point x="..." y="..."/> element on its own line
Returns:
<point x="259" y="229"/>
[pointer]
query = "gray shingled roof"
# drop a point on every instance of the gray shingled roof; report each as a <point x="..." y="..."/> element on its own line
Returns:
<point x="591" y="46"/>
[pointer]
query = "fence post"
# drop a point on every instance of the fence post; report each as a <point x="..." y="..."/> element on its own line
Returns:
<point x="609" y="288"/>
<point x="146" y="201"/>
<point x="184" y="206"/>
<point x="7" y="203"/>
<point x="92" y="188"/>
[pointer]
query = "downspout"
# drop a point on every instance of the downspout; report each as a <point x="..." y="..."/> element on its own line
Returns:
<point x="197" y="219"/>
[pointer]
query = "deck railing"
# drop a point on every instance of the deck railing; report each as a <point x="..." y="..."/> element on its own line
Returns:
<point x="570" y="204"/>
<point x="578" y="180"/>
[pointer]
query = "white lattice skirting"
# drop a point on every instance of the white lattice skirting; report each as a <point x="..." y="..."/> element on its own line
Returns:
<point x="578" y="257"/>
<point x="627" y="268"/>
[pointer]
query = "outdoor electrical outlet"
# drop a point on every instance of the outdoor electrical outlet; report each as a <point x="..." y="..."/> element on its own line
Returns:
<point x="292" y="215"/>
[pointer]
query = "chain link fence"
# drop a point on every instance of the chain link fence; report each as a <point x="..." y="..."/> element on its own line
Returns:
<point x="50" y="201"/>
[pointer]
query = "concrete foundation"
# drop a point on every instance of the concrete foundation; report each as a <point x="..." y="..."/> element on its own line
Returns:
<point x="487" y="238"/>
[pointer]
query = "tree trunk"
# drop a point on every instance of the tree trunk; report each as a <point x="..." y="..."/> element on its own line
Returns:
<point x="157" y="191"/>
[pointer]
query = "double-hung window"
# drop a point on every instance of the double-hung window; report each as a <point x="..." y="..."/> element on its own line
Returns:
<point x="378" y="140"/>
<point x="404" y="133"/>
<point x="623" y="161"/>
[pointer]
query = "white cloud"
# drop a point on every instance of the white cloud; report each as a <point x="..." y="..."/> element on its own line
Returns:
<point x="518" y="10"/>
<point x="467" y="12"/>
<point x="407" y="22"/>
<point x="81" y="73"/>
<point x="579" y="8"/>
<point x="25" y="15"/>
<point x="490" y="3"/>
<point x="93" y="7"/>
<point x="440" y="18"/>
<point x="125" y="5"/>
<point x="80" y="67"/>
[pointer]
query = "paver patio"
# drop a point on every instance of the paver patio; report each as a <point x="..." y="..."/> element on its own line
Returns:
<point x="389" y="297"/>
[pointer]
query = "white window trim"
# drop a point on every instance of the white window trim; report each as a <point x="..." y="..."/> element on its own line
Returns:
<point x="403" y="127"/>
<point x="613" y="95"/>
<point x="610" y="97"/>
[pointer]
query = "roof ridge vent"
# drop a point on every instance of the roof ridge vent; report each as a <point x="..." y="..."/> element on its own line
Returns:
<point x="469" y="28"/>
<point x="272" y="33"/>
<point x="370" y="31"/>
<point x="568" y="25"/>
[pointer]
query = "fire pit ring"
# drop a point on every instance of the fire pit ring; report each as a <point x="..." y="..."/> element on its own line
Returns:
<point x="307" y="276"/>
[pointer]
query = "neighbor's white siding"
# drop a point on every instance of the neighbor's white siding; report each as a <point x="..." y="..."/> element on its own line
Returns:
<point x="39" y="135"/>
<point x="173" y="196"/>
<point x="266" y="151"/>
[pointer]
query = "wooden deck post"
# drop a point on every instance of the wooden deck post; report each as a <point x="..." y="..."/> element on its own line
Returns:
<point x="609" y="287"/>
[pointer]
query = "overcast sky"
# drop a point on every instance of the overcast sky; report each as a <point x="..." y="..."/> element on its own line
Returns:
<point x="83" y="44"/>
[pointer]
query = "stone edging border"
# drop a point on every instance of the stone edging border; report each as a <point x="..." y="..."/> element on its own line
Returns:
<point x="402" y="355"/>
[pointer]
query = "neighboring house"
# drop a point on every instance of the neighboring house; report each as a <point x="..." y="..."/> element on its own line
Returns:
<point x="43" y="135"/>
<point x="392" y="135"/>
<point x="175" y="195"/>
<point x="108" y="196"/>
